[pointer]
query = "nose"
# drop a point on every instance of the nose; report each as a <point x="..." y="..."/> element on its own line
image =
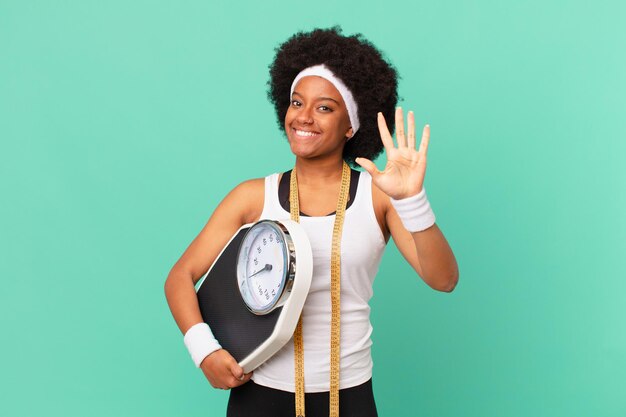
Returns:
<point x="305" y="115"/>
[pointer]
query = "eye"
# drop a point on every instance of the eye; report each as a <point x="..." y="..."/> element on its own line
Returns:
<point x="325" y="108"/>
<point x="296" y="103"/>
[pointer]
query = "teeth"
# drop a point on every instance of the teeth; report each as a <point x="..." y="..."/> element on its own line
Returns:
<point x="303" y="133"/>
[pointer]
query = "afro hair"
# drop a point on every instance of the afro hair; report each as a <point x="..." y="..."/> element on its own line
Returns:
<point x="372" y="80"/>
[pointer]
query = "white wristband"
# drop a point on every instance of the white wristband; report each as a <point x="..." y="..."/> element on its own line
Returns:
<point x="415" y="212"/>
<point x="200" y="342"/>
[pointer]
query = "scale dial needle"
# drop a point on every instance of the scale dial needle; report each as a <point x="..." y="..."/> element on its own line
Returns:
<point x="267" y="267"/>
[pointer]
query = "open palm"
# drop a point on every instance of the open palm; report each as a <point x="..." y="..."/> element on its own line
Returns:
<point x="404" y="173"/>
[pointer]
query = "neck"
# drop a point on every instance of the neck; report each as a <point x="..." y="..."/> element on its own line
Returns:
<point x="318" y="172"/>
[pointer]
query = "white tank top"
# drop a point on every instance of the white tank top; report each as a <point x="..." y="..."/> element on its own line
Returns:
<point x="362" y="246"/>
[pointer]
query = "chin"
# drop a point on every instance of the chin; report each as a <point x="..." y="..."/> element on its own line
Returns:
<point x="301" y="151"/>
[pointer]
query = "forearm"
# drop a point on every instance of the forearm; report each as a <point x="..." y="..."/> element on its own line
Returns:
<point x="436" y="259"/>
<point x="182" y="299"/>
<point x="412" y="219"/>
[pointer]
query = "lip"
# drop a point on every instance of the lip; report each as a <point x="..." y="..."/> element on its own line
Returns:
<point x="308" y="134"/>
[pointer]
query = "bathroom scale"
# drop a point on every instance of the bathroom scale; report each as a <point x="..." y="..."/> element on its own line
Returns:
<point x="252" y="295"/>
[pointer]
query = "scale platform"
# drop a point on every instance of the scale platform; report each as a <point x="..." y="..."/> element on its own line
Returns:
<point x="252" y="339"/>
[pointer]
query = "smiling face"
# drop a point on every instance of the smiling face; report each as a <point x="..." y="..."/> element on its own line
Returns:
<point x="317" y="122"/>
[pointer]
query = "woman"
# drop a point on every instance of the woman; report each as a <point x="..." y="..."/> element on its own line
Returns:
<point x="332" y="94"/>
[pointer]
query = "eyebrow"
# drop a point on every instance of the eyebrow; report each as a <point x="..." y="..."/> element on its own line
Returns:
<point x="319" y="98"/>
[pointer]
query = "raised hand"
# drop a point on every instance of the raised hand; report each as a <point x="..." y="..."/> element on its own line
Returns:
<point x="404" y="173"/>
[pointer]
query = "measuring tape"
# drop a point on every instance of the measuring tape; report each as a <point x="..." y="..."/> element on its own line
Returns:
<point x="335" y="296"/>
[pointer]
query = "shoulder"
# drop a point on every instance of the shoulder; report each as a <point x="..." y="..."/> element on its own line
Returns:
<point x="239" y="207"/>
<point x="255" y="185"/>
<point x="247" y="199"/>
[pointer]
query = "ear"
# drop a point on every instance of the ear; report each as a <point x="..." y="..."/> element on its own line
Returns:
<point x="349" y="133"/>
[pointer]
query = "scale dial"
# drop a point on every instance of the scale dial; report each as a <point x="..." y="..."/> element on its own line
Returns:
<point x="265" y="266"/>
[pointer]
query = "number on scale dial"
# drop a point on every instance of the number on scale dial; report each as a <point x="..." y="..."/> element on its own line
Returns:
<point x="263" y="267"/>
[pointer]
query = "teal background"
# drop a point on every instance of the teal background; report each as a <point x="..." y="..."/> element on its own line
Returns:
<point x="123" y="124"/>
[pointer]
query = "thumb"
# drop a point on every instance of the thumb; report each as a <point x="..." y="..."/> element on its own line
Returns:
<point x="368" y="165"/>
<point x="236" y="370"/>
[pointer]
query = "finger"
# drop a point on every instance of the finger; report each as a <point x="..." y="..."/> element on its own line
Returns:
<point x="236" y="370"/>
<point x="232" y="382"/>
<point x="411" y="133"/>
<point x="385" y="136"/>
<point x="425" y="140"/>
<point x="238" y="382"/>
<point x="368" y="165"/>
<point x="401" y="139"/>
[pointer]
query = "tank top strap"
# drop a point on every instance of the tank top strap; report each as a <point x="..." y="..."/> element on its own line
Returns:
<point x="364" y="206"/>
<point x="364" y="191"/>
<point x="271" y="205"/>
<point x="363" y="198"/>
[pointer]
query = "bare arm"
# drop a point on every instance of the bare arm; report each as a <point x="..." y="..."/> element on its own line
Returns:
<point x="427" y="251"/>
<point x="242" y="205"/>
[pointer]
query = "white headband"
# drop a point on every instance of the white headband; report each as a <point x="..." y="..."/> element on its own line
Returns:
<point x="322" y="71"/>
